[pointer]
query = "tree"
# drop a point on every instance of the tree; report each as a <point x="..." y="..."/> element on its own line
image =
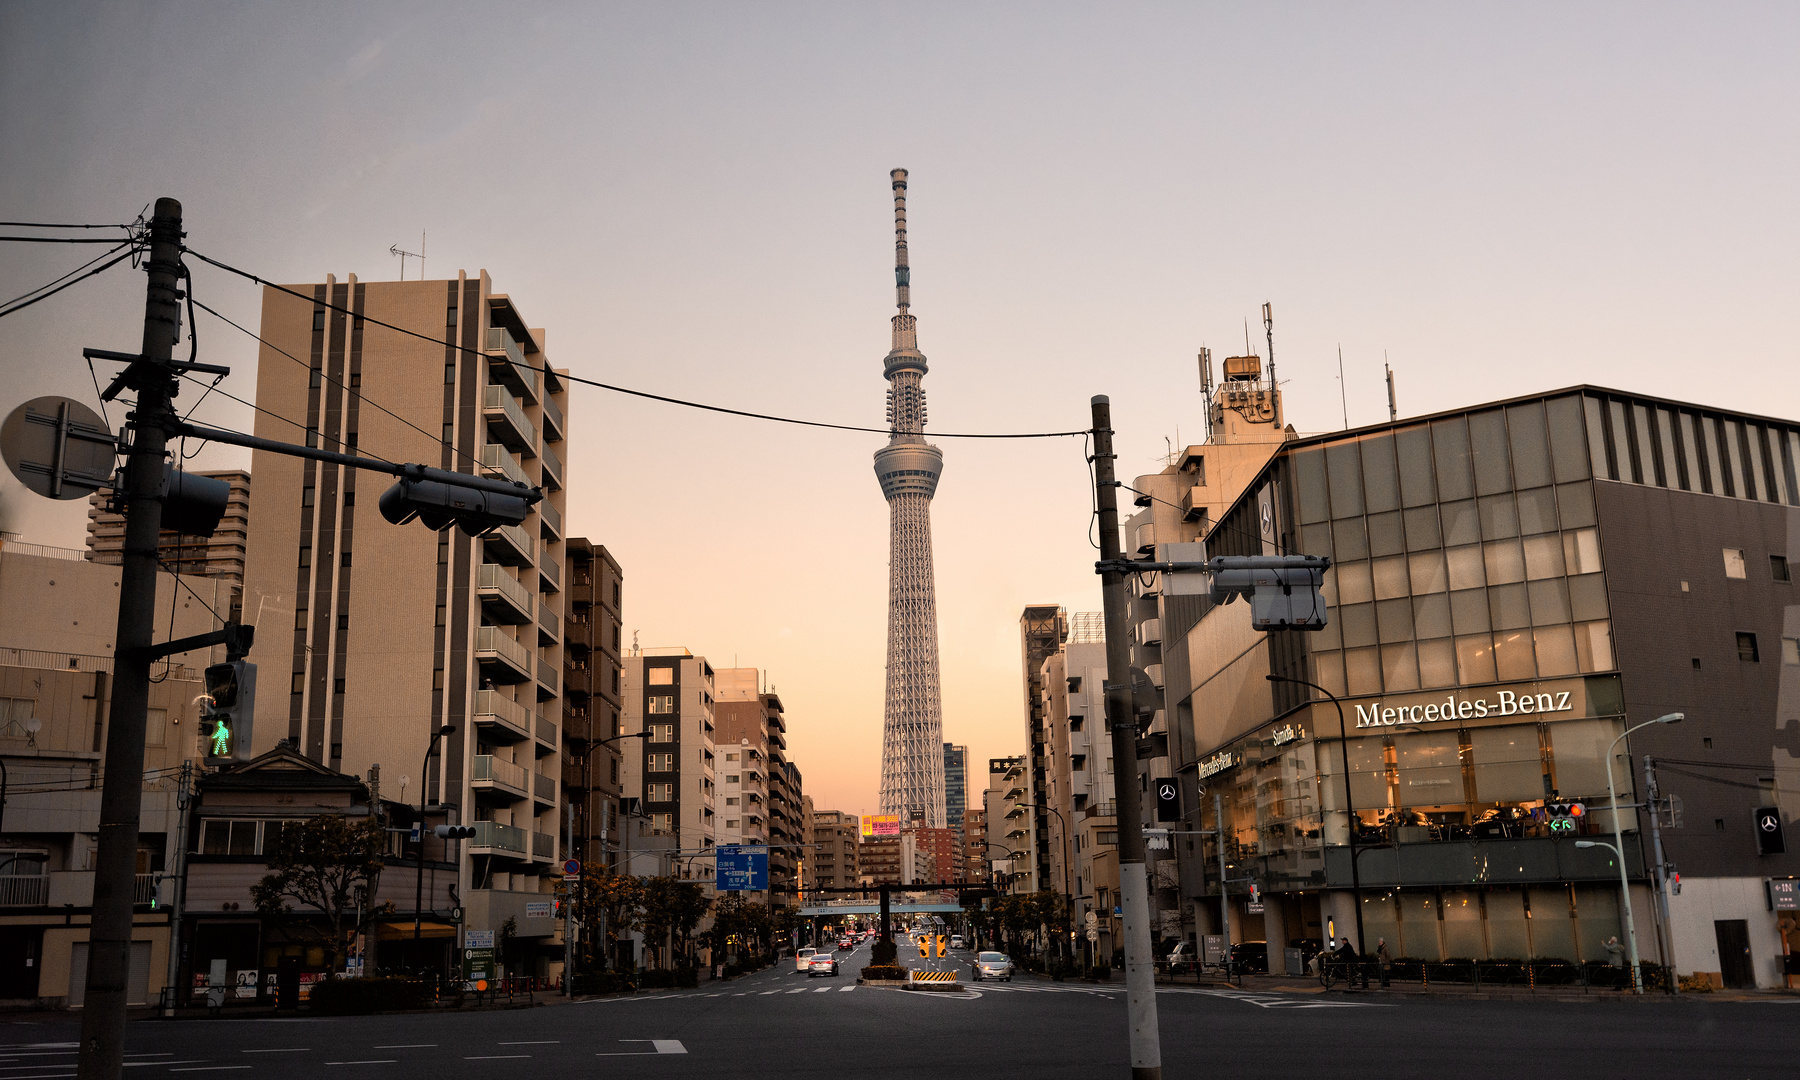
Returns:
<point x="324" y="870"/>
<point x="739" y="925"/>
<point x="618" y="896"/>
<point x="671" y="908"/>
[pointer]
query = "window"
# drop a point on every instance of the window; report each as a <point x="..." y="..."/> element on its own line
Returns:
<point x="659" y="762"/>
<point x="662" y="732"/>
<point x="318" y="319"/>
<point x="155" y="722"/>
<point x="730" y="757"/>
<point x="732" y="778"/>
<point x="300" y="618"/>
<point x="1734" y="562"/>
<point x="306" y="496"/>
<point x="1747" y="647"/>
<point x="1778" y="568"/>
<point x="662" y="822"/>
<point x="731" y="823"/>
<point x="661" y="676"/>
<point x="305" y="557"/>
<point x="229" y="838"/>
<point x="660" y="792"/>
<point x="1790" y="650"/>
<point x="615" y="770"/>
<point x="13" y="714"/>
<point x="661" y="704"/>
<point x="346" y="559"/>
<point x="1107" y="837"/>
<point x="299" y="686"/>
<point x="732" y="801"/>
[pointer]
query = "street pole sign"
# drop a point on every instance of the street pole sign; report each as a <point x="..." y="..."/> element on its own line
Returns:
<point x="572" y="870"/>
<point x="742" y="868"/>
<point x="58" y="448"/>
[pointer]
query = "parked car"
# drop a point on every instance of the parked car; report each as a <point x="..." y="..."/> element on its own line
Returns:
<point x="822" y="963"/>
<point x="1252" y="956"/>
<point x="992" y="965"/>
<point x="1182" y="958"/>
<point x="801" y="956"/>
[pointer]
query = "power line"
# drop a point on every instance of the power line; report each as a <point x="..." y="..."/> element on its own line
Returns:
<point x="627" y="390"/>
<point x="65" y="277"/>
<point x="277" y="416"/>
<point x="59" y="239"/>
<point x="42" y="225"/>
<point x="45" y="296"/>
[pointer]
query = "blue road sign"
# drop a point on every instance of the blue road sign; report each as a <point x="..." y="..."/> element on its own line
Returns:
<point x="742" y="868"/>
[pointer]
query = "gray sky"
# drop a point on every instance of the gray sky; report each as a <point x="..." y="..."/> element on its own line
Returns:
<point x="693" y="200"/>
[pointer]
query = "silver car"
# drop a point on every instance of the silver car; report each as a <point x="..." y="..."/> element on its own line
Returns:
<point x="992" y="965"/>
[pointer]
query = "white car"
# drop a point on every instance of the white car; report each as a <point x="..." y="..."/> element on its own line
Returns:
<point x="956" y="941"/>
<point x="801" y="957"/>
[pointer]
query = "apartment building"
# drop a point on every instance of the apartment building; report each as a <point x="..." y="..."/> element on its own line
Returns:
<point x="1079" y="792"/>
<point x="218" y="555"/>
<point x="673" y="769"/>
<point x="593" y="697"/>
<point x="374" y="637"/>
<point x="1008" y="857"/>
<point x="895" y="860"/>
<point x="1042" y="630"/>
<point x="956" y="784"/>
<point x="975" y="842"/>
<point x="751" y="733"/>
<point x="834" y="862"/>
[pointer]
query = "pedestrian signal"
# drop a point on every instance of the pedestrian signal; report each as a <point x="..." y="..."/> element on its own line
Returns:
<point x="228" y="709"/>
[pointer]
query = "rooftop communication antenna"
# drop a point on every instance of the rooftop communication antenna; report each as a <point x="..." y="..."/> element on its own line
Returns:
<point x="394" y="249"/>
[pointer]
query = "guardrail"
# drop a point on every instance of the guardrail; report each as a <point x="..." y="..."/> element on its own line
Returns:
<point x="492" y="834"/>
<point x="24" y="890"/>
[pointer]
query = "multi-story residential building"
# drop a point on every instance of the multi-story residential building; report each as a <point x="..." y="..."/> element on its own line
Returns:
<point x="975" y="861"/>
<point x="669" y="693"/>
<point x="956" y="784"/>
<point x="398" y="633"/>
<point x="592" y="697"/>
<point x="58" y="621"/>
<point x="943" y="851"/>
<point x="834" y="862"/>
<point x="1080" y="788"/>
<point x="788" y="824"/>
<point x="896" y="860"/>
<point x="1519" y="588"/>
<point x="1007" y="852"/>
<point x="218" y="555"/>
<point x="1042" y="629"/>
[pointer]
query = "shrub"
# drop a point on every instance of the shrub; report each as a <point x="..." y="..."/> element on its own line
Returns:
<point x="884" y="971"/>
<point x="883" y="953"/>
<point x="360" y="997"/>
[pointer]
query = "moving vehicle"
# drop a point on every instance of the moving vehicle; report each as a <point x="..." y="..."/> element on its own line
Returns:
<point x="801" y="956"/>
<point x="846" y="943"/>
<point x="1251" y="956"/>
<point x="823" y="963"/>
<point x="956" y="941"/>
<point x="992" y="965"/>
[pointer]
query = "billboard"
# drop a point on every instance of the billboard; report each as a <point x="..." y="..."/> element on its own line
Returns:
<point x="880" y="825"/>
<point x="742" y="868"/>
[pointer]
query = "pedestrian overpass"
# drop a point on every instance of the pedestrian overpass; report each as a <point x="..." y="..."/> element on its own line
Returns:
<point x="858" y="907"/>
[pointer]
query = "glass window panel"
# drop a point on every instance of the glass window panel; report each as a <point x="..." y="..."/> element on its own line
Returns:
<point x="1418" y="926"/>
<point x="1575" y="505"/>
<point x="1579" y="748"/>
<point x="1386" y="534"/>
<point x="1581" y="551"/>
<point x="1328" y="671"/>
<point x="1329" y="636"/>
<point x="1512" y="655"/>
<point x="1475" y="659"/>
<point x="1437" y="663"/>
<point x="1431" y="616"/>
<point x="1507" y="763"/>
<point x="1593" y="646"/>
<point x="1343" y="463"/>
<point x="1469" y="611"/>
<point x="1621" y="436"/>
<point x="1315" y="540"/>
<point x="1379" y="920"/>
<point x="1596" y="433"/>
<point x="1465" y="567"/>
<point x="1487" y="436"/>
<point x="1568" y="442"/>
<point x="1665" y="440"/>
<point x="1463" y="938"/>
<point x="1530" y="444"/>
<point x="243" y="838"/>
<point x="1509" y="606"/>
<point x="1395" y="620"/>
<point x="1350" y="539"/>
<point x="1362" y="671"/>
<point x="1733" y="433"/>
<point x="1505" y="561"/>
<point x="1780" y="486"/>
<point x="1552" y="927"/>
<point x="1646" y="444"/>
<point x="1358" y="622"/>
<point x="1499" y="517"/>
<point x="215" y="837"/>
<point x="1430" y="768"/>
<point x="1428" y="572"/>
<point x="1587" y="597"/>
<point x="1790" y="465"/>
<point x="1450" y="448"/>
<point x="1353" y="583"/>
<point x="1462" y="525"/>
<point x="1596" y="919"/>
<point x="1754" y="433"/>
<point x="1413" y="447"/>
<point x="1549" y="602"/>
<point x="1690" y="454"/>
<point x="1555" y="650"/>
<point x="1399" y="667"/>
<point x="1724" y="479"/>
<point x="1509" y="935"/>
<point x="1537" y="511"/>
<point x="1543" y="556"/>
<point x="1381" y="480"/>
<point x="1390" y="577"/>
<point x="1422" y="528"/>
<point x="1312" y="503"/>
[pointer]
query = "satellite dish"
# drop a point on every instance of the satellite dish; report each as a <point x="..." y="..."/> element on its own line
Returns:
<point x="58" y="448"/>
<point x="33" y="725"/>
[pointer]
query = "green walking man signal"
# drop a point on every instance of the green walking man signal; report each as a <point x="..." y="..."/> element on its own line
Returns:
<point x="228" y="709"/>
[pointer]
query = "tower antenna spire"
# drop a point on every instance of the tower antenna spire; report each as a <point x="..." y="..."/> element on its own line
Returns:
<point x="902" y="272"/>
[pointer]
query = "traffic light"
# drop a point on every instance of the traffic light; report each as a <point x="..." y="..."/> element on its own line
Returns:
<point x="1564" y="816"/>
<point x="1283" y="590"/>
<point x="924" y="946"/>
<point x="453" y="832"/>
<point x="440" y="505"/>
<point x="192" y="504"/>
<point x="943" y="946"/>
<point x="229" y="708"/>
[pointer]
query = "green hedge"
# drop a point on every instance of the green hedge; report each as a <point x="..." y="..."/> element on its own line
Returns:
<point x="360" y="997"/>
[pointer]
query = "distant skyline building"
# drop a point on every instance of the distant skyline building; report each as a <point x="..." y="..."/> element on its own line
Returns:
<point x="912" y="760"/>
<point x="956" y="784"/>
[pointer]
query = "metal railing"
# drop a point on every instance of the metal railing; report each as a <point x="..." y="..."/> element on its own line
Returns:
<point x="61" y="661"/>
<point x="496" y="579"/>
<point x="498" y="459"/>
<point x="492" y="834"/>
<point x="505" y="773"/>
<point x="543" y="787"/>
<point x="143" y="888"/>
<point x="551" y="568"/>
<point x="554" y="415"/>
<point x="1471" y="976"/>
<point x="24" y="890"/>
<point x="498" y="399"/>
<point x="550" y="622"/>
<point x="543" y="845"/>
<point x="553" y="467"/>
<point x="511" y="543"/>
<point x="546" y="674"/>
<point x="510" y="364"/>
<point x="1103" y="809"/>
<point x="493" y="707"/>
<point x="489" y="639"/>
<point x="546" y="730"/>
<point x="552" y="518"/>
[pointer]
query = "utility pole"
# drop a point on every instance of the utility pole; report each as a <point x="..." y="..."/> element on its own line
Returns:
<point x="605" y="871"/>
<point x="1662" y="873"/>
<point x="1121" y="720"/>
<point x="1224" y="898"/>
<point x="102" y="1049"/>
<point x="569" y="910"/>
<point x="178" y="886"/>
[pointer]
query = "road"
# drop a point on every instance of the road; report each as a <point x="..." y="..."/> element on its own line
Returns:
<point x="780" y="1023"/>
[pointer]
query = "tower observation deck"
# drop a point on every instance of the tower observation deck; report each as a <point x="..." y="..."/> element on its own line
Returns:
<point x="912" y="746"/>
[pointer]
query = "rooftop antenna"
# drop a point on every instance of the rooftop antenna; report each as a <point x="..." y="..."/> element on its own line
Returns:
<point x="1393" y="409"/>
<point x="1343" y="399"/>
<point x="1206" y="387"/>
<point x="394" y="249"/>
<point x="1274" y="387"/>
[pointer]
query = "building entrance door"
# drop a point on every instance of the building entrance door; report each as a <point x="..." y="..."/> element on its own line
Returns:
<point x="1734" y="953"/>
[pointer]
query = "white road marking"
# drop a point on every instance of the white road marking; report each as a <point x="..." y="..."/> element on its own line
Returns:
<point x="404" y="1046"/>
<point x="1276" y="1001"/>
<point x="384" y="1061"/>
<point x="284" y="1050"/>
<point x="213" y="1068"/>
<point x="534" y="1042"/>
<point x="662" y="1046"/>
<point x="846" y="989"/>
<point x="495" y="1057"/>
<point x="824" y="990"/>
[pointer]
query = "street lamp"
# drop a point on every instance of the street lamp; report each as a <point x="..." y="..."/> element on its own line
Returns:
<point x="425" y="786"/>
<point x="1618" y="845"/>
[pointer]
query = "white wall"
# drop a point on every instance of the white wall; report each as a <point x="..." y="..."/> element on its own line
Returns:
<point x="1704" y="900"/>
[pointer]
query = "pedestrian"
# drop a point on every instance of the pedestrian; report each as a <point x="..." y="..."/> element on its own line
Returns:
<point x="1385" y="959"/>
<point x="1615" y="955"/>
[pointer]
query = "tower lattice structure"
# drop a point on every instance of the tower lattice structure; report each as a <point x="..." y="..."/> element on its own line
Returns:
<point x="912" y="748"/>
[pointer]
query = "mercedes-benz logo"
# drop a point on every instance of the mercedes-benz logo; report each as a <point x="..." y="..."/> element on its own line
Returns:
<point x="1769" y="824"/>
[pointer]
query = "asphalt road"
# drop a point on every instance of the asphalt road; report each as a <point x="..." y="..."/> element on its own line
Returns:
<point x="780" y="1023"/>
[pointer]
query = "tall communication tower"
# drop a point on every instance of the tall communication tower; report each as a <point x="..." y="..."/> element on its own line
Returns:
<point x="912" y="745"/>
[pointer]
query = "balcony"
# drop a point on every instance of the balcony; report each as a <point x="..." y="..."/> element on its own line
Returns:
<point x="546" y="735"/>
<point x="553" y="470"/>
<point x="503" y="599"/>
<point x="543" y="846"/>
<point x="493" y="838"/>
<point x="506" y="365"/>
<point x="506" y="419"/>
<point x="143" y="889"/>
<point x="497" y="460"/>
<point x="550" y="571"/>
<point x="553" y="421"/>
<point x="491" y="775"/>
<point x="1149" y="632"/>
<point x="549" y="626"/>
<point x="501" y="719"/>
<point x="25" y="890"/>
<point x="543" y="788"/>
<point x="501" y="658"/>
<point x="551" y="518"/>
<point x="548" y="681"/>
<point x="508" y="544"/>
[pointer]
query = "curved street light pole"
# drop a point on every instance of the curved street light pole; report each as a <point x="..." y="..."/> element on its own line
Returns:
<point x="1618" y="845"/>
<point x="1349" y="813"/>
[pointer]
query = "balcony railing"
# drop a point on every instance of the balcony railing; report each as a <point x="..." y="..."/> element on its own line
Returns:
<point x="489" y="769"/>
<point x="553" y="421"/>
<point x="143" y="888"/>
<point x="504" y="719"/>
<point x="552" y="519"/>
<point x="502" y="595"/>
<point x="506" y="362"/>
<point x="548" y="679"/>
<point x="543" y="845"/>
<point x="553" y="469"/>
<point x="506" y="659"/>
<point x="497" y="459"/>
<point x="549" y="626"/>
<point x="492" y="834"/>
<point x="546" y="730"/>
<point x="550" y="568"/>
<point x="24" y="890"/>
<point x="508" y="544"/>
<point x="507" y="421"/>
<point x="1104" y="809"/>
<point x="543" y="788"/>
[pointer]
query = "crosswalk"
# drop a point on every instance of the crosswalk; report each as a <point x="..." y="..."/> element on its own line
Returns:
<point x="1014" y="988"/>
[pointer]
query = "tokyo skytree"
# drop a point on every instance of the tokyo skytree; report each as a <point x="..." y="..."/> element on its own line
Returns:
<point x="912" y="745"/>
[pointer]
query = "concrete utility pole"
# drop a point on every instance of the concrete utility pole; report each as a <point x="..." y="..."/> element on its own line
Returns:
<point x="1224" y="889"/>
<point x="178" y="885"/>
<point x="1121" y="720"/>
<point x="102" y="1050"/>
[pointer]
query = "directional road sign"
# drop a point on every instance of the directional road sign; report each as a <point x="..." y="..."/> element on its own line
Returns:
<point x="58" y="448"/>
<point x="742" y="867"/>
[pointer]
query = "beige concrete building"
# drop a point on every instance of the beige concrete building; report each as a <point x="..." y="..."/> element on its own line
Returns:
<point x="218" y="555"/>
<point x="373" y="636"/>
<point x="834" y="862"/>
<point x="592" y="696"/>
<point x="673" y="772"/>
<point x="1008" y="855"/>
